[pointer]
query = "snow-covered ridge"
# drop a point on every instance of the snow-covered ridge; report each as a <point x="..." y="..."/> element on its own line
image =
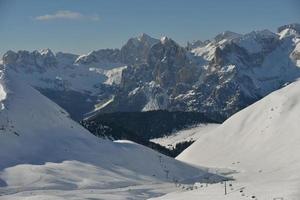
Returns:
<point x="61" y="71"/>
<point x="260" y="143"/>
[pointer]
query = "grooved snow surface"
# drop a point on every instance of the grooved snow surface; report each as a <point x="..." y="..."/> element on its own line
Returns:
<point x="46" y="155"/>
<point x="261" y="143"/>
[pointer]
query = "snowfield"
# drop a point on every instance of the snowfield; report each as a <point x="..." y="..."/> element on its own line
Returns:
<point x="190" y="134"/>
<point x="46" y="155"/>
<point x="261" y="143"/>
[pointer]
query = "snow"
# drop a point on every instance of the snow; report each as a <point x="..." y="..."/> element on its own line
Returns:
<point x="227" y="68"/>
<point x="296" y="53"/>
<point x="152" y="104"/>
<point x="155" y="101"/>
<point x="147" y="39"/>
<point x="226" y="36"/>
<point x="207" y="52"/>
<point x="297" y="49"/>
<point x="260" y="143"/>
<point x="2" y="97"/>
<point x="287" y="32"/>
<point x="2" y="92"/>
<point x="46" y="70"/>
<point x="77" y="78"/>
<point x="114" y="76"/>
<point x="254" y="42"/>
<point x="190" y="134"/>
<point x="46" y="155"/>
<point x="134" y="91"/>
<point x="45" y="52"/>
<point x="164" y="39"/>
<point x="99" y="107"/>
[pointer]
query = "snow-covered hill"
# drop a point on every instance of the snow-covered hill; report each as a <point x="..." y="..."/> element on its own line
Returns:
<point x="261" y="143"/>
<point x="46" y="155"/>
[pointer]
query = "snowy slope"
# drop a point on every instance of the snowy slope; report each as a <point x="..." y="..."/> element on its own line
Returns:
<point x="190" y="134"/>
<point x="43" y="152"/>
<point x="261" y="143"/>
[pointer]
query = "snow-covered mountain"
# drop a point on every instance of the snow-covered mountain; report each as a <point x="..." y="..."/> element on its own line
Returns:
<point x="78" y="83"/>
<point x="218" y="77"/>
<point x="46" y="155"/>
<point x="65" y="78"/>
<point x="136" y="50"/>
<point x="260" y="143"/>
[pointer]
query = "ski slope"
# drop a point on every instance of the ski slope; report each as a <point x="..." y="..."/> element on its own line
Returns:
<point x="261" y="144"/>
<point x="46" y="155"/>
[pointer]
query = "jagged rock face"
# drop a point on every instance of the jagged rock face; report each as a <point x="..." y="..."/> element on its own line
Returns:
<point x="195" y="44"/>
<point x="31" y="61"/>
<point x="296" y="55"/>
<point x="227" y="35"/>
<point x="218" y="77"/>
<point x="243" y="69"/>
<point x="295" y="27"/>
<point x="170" y="64"/>
<point x="71" y="85"/>
<point x="101" y="57"/>
<point x="136" y="50"/>
<point x="10" y="57"/>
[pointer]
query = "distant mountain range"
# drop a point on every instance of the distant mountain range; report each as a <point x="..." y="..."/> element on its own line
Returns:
<point x="215" y="77"/>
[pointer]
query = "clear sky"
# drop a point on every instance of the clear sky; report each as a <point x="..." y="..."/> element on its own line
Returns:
<point x="80" y="26"/>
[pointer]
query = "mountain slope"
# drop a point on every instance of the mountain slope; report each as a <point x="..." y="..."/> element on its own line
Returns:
<point x="140" y="127"/>
<point x="41" y="144"/>
<point x="260" y="143"/>
<point x="218" y="77"/>
<point x="69" y="80"/>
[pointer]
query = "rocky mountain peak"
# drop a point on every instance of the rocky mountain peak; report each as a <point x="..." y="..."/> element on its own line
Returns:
<point x="194" y="44"/>
<point x="294" y="26"/>
<point x="289" y="30"/>
<point x="46" y="52"/>
<point x="227" y="35"/>
<point x="146" y="39"/>
<point x="136" y="50"/>
<point x="9" y="57"/>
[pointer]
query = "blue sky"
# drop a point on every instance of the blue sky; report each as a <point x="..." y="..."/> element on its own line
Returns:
<point x="80" y="26"/>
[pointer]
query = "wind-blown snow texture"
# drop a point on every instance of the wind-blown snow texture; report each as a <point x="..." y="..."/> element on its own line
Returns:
<point x="261" y="143"/>
<point x="43" y="150"/>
